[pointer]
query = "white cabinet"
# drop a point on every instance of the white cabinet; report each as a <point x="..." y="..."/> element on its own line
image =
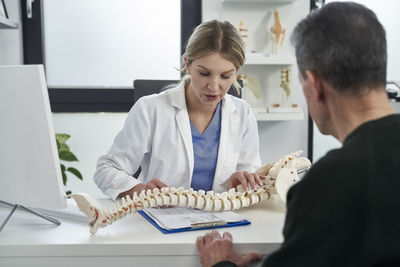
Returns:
<point x="265" y="62"/>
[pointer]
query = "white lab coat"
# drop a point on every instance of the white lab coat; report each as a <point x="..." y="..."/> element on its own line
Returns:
<point x="157" y="136"/>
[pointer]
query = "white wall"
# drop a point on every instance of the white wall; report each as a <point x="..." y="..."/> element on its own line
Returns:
<point x="91" y="136"/>
<point x="11" y="39"/>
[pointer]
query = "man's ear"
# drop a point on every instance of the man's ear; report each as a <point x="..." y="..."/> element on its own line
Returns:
<point x="316" y="85"/>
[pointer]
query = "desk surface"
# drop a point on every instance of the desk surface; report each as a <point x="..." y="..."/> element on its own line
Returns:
<point x="26" y="235"/>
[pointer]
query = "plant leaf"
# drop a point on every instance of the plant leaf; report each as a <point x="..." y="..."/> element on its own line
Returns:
<point x="75" y="172"/>
<point x="67" y="156"/>
<point x="58" y="144"/>
<point x="64" y="176"/>
<point x="63" y="147"/>
<point x="61" y="138"/>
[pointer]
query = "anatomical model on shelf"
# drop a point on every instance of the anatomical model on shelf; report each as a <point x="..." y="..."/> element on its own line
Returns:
<point x="285" y="85"/>
<point x="285" y="81"/>
<point x="251" y="82"/>
<point x="243" y="31"/>
<point x="280" y="176"/>
<point x="277" y="33"/>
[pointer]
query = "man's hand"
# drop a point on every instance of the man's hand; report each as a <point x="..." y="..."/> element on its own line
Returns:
<point x="213" y="249"/>
<point x="244" y="178"/>
<point x="155" y="183"/>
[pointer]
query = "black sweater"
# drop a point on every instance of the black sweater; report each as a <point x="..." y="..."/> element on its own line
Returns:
<point x="346" y="210"/>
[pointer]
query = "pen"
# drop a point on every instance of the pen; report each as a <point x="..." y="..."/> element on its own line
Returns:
<point x="208" y="224"/>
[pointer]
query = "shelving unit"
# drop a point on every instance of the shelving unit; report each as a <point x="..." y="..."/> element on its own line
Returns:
<point x="260" y="1"/>
<point x="262" y="60"/>
<point x="265" y="116"/>
<point x="7" y="24"/>
<point x="262" y="115"/>
<point x="274" y="59"/>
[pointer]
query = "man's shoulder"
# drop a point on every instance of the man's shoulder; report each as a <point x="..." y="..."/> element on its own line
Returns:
<point x="332" y="160"/>
<point x="331" y="171"/>
<point x="374" y="131"/>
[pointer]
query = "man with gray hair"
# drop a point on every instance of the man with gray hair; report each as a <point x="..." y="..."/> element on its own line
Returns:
<point x="346" y="209"/>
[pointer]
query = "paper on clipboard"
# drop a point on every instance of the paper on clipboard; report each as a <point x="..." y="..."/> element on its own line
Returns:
<point x="185" y="217"/>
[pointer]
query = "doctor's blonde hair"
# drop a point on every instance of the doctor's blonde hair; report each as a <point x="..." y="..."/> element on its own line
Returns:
<point x="215" y="36"/>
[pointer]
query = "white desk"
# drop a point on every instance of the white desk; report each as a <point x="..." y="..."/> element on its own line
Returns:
<point x="27" y="240"/>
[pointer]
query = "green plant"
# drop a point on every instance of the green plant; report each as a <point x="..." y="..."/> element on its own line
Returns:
<point x="66" y="155"/>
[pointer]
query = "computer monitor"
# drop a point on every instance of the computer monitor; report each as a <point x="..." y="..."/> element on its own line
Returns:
<point x="30" y="173"/>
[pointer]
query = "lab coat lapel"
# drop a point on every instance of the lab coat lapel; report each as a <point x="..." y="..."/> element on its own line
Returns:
<point x="229" y="128"/>
<point x="182" y="119"/>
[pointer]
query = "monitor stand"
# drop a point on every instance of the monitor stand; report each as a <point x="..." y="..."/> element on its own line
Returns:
<point x="15" y="206"/>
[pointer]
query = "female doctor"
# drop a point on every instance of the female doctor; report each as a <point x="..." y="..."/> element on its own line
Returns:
<point x="193" y="135"/>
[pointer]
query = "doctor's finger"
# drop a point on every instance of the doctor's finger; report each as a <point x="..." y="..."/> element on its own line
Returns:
<point x="158" y="183"/>
<point x="243" y="180"/>
<point x="151" y="186"/>
<point x="251" y="179"/>
<point x="232" y="182"/>
<point x="257" y="178"/>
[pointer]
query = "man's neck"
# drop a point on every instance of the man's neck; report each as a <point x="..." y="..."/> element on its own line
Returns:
<point x="347" y="113"/>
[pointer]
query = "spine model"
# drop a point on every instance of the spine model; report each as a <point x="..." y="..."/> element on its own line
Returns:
<point x="280" y="176"/>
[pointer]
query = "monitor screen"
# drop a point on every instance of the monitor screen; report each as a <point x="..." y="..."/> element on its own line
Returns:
<point x="30" y="173"/>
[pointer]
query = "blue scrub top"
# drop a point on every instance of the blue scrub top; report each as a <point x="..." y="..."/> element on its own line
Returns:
<point x="205" y="149"/>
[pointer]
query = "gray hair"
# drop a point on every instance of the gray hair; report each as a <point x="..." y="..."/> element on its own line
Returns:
<point x="345" y="44"/>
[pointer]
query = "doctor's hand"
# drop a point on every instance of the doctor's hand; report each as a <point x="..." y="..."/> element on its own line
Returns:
<point x="244" y="178"/>
<point x="155" y="183"/>
<point x="213" y="249"/>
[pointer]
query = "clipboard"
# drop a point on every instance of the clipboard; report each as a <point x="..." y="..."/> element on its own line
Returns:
<point x="195" y="227"/>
